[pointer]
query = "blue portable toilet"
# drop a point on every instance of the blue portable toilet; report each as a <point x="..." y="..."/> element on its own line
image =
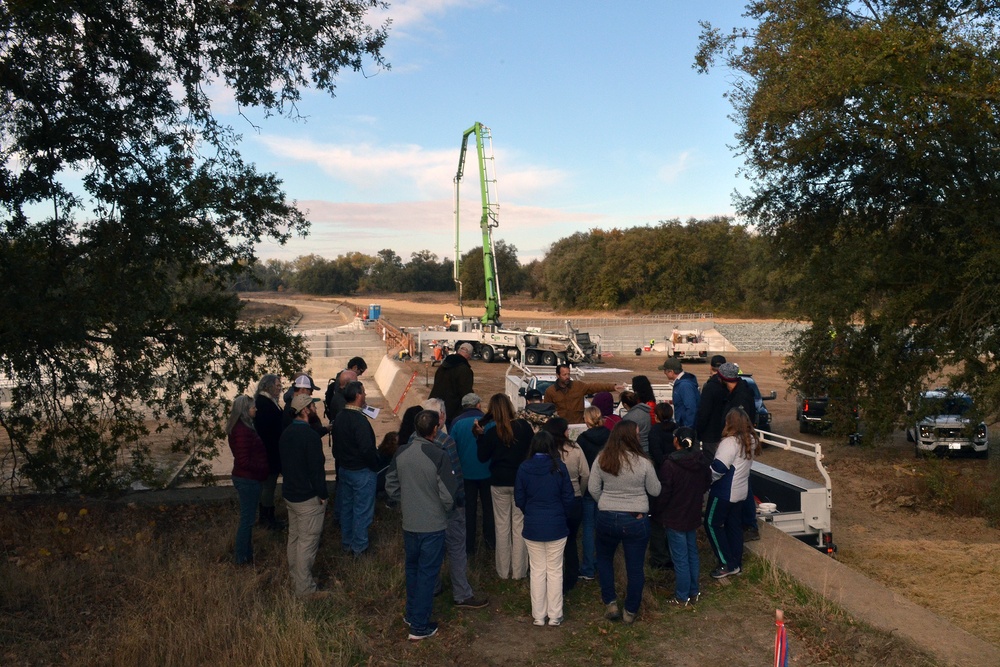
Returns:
<point x="374" y="311"/>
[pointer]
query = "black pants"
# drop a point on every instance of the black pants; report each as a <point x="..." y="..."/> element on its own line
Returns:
<point x="479" y="488"/>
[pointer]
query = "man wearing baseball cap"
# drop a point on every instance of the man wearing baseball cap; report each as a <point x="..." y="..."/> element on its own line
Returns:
<point x="305" y="493"/>
<point x="302" y="385"/>
<point x="686" y="396"/>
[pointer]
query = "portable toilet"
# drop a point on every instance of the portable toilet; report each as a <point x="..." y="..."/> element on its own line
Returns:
<point x="374" y="311"/>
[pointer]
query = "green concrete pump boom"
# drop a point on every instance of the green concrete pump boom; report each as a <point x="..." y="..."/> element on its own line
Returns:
<point x="491" y="210"/>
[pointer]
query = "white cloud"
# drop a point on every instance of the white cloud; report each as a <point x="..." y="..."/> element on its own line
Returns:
<point x="417" y="13"/>
<point x="411" y="171"/>
<point x="406" y="227"/>
<point x="668" y="173"/>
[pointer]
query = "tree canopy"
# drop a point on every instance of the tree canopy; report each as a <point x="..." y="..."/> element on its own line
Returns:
<point x="871" y="134"/>
<point x="126" y="211"/>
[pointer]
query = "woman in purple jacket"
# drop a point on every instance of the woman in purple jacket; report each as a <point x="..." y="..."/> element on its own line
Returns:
<point x="250" y="469"/>
<point x="684" y="478"/>
<point x="543" y="492"/>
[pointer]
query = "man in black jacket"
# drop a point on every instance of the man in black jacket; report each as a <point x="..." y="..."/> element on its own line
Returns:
<point x="305" y="493"/>
<point x="453" y="380"/>
<point x="358" y="462"/>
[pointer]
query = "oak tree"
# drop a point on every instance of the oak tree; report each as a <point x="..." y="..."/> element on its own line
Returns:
<point x="871" y="135"/>
<point x="126" y="210"/>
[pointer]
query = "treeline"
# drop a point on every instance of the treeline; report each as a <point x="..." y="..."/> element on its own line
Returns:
<point x="695" y="265"/>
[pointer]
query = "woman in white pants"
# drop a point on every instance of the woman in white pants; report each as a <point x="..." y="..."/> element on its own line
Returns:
<point x="544" y="493"/>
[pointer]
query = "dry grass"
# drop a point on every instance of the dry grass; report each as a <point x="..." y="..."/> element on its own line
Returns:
<point x="113" y="584"/>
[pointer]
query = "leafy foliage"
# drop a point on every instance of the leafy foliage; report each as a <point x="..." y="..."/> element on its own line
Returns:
<point x="871" y="132"/>
<point x="126" y="212"/>
<point x="509" y="272"/>
<point x="697" y="265"/>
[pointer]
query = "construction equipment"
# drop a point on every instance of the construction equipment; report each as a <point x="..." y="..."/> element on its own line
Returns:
<point x="688" y="344"/>
<point x="486" y="334"/>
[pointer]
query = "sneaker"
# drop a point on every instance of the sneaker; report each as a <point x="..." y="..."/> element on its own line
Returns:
<point x="677" y="602"/>
<point x="472" y="603"/>
<point x="611" y="612"/>
<point x="751" y="534"/>
<point x="556" y="621"/>
<point x="628" y="617"/>
<point x="429" y="631"/>
<point x="695" y="599"/>
<point x="586" y="577"/>
<point x="722" y="572"/>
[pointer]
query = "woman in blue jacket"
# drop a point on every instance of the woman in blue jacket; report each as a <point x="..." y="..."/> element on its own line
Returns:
<point x="543" y="492"/>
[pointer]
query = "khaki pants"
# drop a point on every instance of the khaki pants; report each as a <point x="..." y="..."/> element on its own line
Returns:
<point x="512" y="556"/>
<point x="305" y="525"/>
<point x="546" y="579"/>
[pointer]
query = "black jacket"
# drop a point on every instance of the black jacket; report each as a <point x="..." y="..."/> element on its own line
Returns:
<point x="712" y="411"/>
<point x="268" y="426"/>
<point x="452" y="381"/>
<point x="684" y="478"/>
<point x="661" y="441"/>
<point x="354" y="442"/>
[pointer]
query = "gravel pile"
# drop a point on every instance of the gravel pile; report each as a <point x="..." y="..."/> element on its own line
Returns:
<point x="761" y="336"/>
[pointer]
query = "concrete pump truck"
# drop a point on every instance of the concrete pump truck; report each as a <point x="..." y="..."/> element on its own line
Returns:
<point x="487" y="334"/>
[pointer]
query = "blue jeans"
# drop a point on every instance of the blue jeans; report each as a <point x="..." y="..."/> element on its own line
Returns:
<point x="684" y="552"/>
<point x="248" y="491"/>
<point x="357" y="507"/>
<point x="631" y="530"/>
<point x="587" y="535"/>
<point x="724" y="527"/>
<point x="424" y="553"/>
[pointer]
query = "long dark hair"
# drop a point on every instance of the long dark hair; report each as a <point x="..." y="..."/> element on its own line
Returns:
<point x="556" y="427"/>
<point x="543" y="443"/>
<point x="623" y="445"/>
<point x="643" y="389"/>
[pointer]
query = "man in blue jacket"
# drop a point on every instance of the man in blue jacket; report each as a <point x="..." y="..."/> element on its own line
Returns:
<point x="686" y="396"/>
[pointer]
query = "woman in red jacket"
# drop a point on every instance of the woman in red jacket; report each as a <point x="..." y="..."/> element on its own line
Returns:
<point x="250" y="469"/>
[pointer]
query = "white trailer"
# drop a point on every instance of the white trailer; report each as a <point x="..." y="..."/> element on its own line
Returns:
<point x="803" y="506"/>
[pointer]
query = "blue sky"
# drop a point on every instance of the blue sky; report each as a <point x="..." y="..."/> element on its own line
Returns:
<point x="598" y="121"/>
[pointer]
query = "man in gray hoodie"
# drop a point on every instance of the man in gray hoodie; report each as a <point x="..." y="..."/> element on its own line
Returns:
<point x="420" y="477"/>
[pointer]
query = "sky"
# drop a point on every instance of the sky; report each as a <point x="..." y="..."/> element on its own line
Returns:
<point x="598" y="120"/>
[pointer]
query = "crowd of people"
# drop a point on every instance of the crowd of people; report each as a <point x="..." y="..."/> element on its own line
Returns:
<point x="551" y="508"/>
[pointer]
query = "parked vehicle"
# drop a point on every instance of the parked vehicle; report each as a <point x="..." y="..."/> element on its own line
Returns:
<point x="947" y="425"/>
<point x="763" y="415"/>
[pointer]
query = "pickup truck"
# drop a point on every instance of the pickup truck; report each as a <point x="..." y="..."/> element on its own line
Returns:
<point x="946" y="426"/>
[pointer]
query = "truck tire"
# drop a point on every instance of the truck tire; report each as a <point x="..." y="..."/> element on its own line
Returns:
<point x="531" y="357"/>
<point x="803" y="426"/>
<point x="549" y="359"/>
<point x="487" y="353"/>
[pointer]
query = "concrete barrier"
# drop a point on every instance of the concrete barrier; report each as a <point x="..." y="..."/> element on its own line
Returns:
<point x="398" y="385"/>
<point x="871" y="602"/>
